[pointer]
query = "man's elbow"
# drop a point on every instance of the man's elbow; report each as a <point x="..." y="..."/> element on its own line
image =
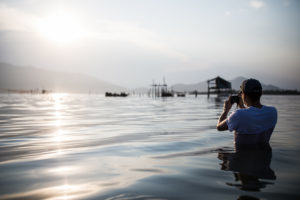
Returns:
<point x="222" y="127"/>
<point x="219" y="128"/>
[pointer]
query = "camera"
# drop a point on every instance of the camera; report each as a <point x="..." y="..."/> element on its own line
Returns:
<point x="235" y="99"/>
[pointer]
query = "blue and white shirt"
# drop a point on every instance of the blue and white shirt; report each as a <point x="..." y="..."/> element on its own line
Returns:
<point x="253" y="125"/>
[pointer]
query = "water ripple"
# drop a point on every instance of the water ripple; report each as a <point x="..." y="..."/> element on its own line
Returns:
<point x="62" y="146"/>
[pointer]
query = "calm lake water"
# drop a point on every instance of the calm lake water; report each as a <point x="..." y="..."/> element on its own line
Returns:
<point x="91" y="147"/>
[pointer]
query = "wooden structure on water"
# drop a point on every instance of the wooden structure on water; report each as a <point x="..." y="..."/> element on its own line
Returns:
<point x="218" y="85"/>
<point x="160" y="90"/>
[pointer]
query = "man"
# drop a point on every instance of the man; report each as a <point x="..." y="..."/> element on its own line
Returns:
<point x="253" y="123"/>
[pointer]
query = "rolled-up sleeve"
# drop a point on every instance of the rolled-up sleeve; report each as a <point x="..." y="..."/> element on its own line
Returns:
<point x="233" y="121"/>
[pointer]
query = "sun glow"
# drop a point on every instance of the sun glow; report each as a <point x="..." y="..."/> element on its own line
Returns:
<point x="60" y="28"/>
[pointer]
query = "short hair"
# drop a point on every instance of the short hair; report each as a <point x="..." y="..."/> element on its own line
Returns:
<point x="253" y="96"/>
<point x="252" y="88"/>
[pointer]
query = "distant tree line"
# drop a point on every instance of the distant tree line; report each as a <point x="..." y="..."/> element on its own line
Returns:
<point x="282" y="92"/>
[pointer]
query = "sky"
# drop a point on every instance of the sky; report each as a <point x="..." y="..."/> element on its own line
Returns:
<point x="135" y="42"/>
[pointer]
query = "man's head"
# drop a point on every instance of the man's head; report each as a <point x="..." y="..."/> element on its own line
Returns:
<point x="251" y="91"/>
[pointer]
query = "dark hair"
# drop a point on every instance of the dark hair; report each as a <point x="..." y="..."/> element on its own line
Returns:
<point x="254" y="96"/>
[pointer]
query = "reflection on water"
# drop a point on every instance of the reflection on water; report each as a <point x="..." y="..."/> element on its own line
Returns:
<point x="247" y="198"/>
<point x="62" y="146"/>
<point x="249" y="166"/>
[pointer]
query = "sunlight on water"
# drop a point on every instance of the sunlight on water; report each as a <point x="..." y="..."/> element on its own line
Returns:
<point x="63" y="146"/>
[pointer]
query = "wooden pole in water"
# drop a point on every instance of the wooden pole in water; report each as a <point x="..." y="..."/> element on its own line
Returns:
<point x="208" y="88"/>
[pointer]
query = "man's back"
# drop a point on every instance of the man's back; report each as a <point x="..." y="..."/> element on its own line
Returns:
<point x="252" y="125"/>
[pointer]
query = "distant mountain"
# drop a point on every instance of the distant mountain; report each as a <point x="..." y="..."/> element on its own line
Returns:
<point x="236" y="83"/>
<point x="141" y="90"/>
<point x="27" y="78"/>
<point x="202" y="86"/>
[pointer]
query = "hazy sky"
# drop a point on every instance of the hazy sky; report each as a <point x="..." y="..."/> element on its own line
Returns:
<point x="132" y="42"/>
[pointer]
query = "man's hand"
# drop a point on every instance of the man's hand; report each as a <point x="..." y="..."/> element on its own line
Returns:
<point x="222" y="125"/>
<point x="241" y="102"/>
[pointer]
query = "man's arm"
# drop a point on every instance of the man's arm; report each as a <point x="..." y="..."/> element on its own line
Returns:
<point x="222" y="125"/>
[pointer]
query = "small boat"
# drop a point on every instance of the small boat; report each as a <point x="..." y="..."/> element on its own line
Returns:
<point x="122" y="94"/>
<point x="166" y="94"/>
<point x="180" y="94"/>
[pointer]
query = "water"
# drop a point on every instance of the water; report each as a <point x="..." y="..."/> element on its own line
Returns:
<point x="91" y="147"/>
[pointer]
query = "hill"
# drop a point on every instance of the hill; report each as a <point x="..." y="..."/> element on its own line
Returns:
<point x="28" y="78"/>
<point x="236" y="83"/>
<point x="202" y="86"/>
